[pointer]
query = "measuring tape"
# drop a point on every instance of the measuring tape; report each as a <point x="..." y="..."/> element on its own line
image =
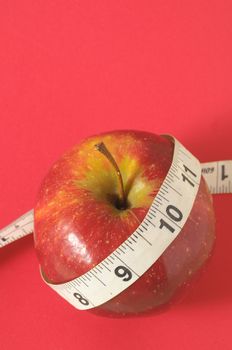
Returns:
<point x="163" y="222"/>
<point x="218" y="176"/>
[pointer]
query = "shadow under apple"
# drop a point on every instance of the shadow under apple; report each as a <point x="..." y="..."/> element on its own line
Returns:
<point x="13" y="250"/>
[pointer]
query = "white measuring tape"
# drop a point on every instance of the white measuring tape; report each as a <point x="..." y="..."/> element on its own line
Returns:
<point x="161" y="225"/>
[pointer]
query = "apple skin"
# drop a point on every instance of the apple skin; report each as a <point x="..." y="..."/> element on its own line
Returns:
<point x="77" y="225"/>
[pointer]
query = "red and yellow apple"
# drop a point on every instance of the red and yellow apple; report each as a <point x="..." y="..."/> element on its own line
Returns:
<point x="80" y="218"/>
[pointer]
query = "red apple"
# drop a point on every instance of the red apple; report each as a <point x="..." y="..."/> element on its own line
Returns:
<point x="81" y="216"/>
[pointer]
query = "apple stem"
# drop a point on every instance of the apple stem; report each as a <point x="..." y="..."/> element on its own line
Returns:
<point x="101" y="147"/>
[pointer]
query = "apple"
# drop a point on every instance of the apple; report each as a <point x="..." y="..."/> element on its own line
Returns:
<point x="95" y="196"/>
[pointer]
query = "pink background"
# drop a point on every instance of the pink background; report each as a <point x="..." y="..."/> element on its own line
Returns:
<point x="69" y="69"/>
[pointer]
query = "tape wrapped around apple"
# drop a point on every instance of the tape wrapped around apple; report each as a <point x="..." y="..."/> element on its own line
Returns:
<point x="95" y="196"/>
